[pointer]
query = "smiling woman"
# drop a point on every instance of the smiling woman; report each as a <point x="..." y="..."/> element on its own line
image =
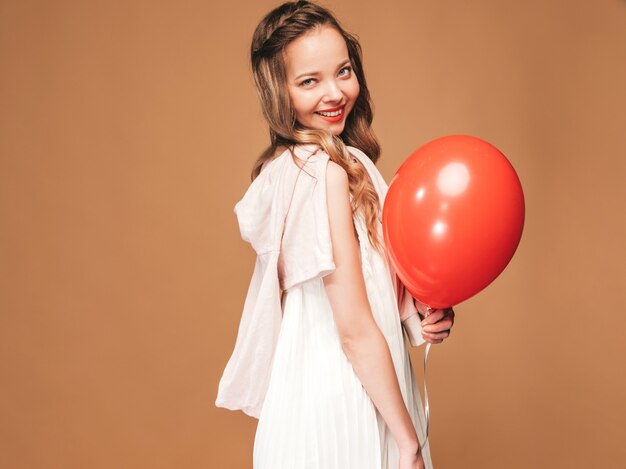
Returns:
<point x="320" y="357"/>
<point x="321" y="82"/>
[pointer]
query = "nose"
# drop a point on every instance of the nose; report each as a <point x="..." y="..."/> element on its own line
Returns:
<point x="332" y="92"/>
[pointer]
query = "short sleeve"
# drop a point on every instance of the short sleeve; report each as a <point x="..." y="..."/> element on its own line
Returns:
<point x="306" y="249"/>
<point x="245" y="379"/>
<point x="283" y="195"/>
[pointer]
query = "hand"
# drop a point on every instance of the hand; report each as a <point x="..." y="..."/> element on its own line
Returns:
<point x="436" y="326"/>
<point x="411" y="460"/>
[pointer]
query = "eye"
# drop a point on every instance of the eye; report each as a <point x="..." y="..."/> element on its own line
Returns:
<point x="305" y="82"/>
<point x="348" y="68"/>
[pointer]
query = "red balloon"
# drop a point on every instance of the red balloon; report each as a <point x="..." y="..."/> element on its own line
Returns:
<point x="452" y="219"/>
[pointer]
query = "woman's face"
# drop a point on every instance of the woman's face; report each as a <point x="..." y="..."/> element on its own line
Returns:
<point x="322" y="85"/>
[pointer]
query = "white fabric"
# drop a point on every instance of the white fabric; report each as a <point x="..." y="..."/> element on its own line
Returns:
<point x="283" y="194"/>
<point x="316" y="414"/>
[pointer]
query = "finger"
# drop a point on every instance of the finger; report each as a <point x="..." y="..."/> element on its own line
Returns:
<point x="433" y="341"/>
<point x="433" y="317"/>
<point x="450" y="314"/>
<point x="436" y="335"/>
<point x="442" y="325"/>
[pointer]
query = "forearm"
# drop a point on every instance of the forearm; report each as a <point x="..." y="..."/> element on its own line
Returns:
<point x="371" y="360"/>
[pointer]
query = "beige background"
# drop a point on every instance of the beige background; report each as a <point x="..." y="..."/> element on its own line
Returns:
<point x="127" y="132"/>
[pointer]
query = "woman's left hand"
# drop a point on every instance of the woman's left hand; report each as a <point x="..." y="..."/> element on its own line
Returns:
<point x="436" y="326"/>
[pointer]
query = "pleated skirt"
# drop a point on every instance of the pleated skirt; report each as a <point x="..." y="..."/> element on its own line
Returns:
<point x="317" y="414"/>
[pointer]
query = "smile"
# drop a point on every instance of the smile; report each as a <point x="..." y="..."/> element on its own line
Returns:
<point x="332" y="116"/>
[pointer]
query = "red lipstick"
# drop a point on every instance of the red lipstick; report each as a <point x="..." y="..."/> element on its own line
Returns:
<point x="333" y="109"/>
<point x="333" y="118"/>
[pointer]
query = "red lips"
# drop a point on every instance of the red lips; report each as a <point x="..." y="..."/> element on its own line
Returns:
<point x="331" y="110"/>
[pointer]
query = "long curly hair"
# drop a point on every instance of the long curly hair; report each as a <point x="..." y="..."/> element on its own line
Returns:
<point x="276" y="30"/>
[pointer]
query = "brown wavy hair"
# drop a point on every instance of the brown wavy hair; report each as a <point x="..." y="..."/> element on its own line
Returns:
<point x="275" y="31"/>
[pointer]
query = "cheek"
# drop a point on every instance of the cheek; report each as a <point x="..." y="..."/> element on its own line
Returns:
<point x="301" y="101"/>
<point x="354" y="90"/>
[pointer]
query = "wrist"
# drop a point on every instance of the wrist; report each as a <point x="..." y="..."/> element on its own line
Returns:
<point x="409" y="444"/>
<point x="413" y="327"/>
<point x="412" y="448"/>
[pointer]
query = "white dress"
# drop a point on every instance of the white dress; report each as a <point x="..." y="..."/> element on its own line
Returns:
<point x="317" y="414"/>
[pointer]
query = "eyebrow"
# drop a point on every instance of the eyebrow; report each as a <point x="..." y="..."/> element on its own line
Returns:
<point x="317" y="73"/>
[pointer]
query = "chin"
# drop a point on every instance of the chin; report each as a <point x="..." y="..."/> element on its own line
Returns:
<point x="336" y="129"/>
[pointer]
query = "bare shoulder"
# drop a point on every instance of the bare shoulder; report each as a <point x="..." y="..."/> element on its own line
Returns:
<point x="337" y="192"/>
<point x="338" y="196"/>
<point x="339" y="206"/>
<point x="336" y="177"/>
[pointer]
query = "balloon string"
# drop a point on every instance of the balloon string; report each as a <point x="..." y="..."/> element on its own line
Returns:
<point x="426" y="405"/>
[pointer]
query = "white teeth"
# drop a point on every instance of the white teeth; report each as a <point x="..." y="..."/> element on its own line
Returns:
<point x="331" y="114"/>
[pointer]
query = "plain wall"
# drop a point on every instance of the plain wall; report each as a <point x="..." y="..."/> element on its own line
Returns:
<point x="127" y="133"/>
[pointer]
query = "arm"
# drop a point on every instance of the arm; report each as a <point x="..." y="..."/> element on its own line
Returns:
<point x="363" y="342"/>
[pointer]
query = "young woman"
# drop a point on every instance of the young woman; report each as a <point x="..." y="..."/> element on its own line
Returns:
<point x="320" y="357"/>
